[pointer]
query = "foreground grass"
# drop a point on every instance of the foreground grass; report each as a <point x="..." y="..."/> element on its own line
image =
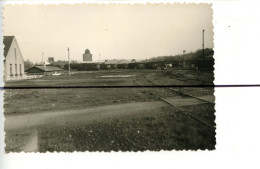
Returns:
<point x="166" y="131"/>
<point x="19" y="101"/>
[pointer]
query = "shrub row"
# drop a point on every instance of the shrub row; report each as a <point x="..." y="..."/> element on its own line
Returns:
<point x="203" y="65"/>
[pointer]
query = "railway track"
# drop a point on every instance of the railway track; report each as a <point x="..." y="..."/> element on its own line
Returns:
<point x="181" y="93"/>
<point x="179" y="108"/>
<point x="183" y="78"/>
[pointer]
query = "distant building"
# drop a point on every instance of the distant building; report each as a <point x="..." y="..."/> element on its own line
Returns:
<point x="43" y="63"/>
<point x="44" y="70"/>
<point x="13" y="63"/>
<point x="87" y="56"/>
<point x="51" y="60"/>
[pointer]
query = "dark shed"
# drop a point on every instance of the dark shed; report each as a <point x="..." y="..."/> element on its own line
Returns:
<point x="43" y="70"/>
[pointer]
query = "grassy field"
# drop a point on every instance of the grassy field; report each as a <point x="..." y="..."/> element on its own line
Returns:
<point x="39" y="100"/>
<point x="86" y="78"/>
<point x="164" y="128"/>
<point x="19" y="101"/>
<point x="166" y="131"/>
<point x="98" y="78"/>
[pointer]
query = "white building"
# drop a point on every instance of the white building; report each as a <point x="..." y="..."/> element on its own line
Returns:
<point x="13" y="63"/>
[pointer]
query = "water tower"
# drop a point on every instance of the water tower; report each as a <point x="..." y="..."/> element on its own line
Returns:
<point x="87" y="56"/>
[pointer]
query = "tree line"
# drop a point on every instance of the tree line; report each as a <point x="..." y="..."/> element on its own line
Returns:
<point x="192" y="59"/>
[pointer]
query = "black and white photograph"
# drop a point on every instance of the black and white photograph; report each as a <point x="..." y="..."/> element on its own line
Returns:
<point x="109" y="77"/>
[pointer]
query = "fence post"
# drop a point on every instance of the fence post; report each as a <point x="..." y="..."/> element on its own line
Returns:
<point x="197" y="70"/>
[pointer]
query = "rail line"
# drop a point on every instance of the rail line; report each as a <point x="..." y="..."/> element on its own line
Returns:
<point x="181" y="93"/>
<point x="183" y="111"/>
<point x="182" y="78"/>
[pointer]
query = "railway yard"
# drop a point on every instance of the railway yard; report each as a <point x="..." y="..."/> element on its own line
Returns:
<point x="112" y="110"/>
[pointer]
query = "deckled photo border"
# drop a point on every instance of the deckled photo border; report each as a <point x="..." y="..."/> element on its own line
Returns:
<point x="168" y="159"/>
<point x="201" y="143"/>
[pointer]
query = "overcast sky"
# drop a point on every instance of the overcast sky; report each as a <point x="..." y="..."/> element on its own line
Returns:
<point x="114" y="31"/>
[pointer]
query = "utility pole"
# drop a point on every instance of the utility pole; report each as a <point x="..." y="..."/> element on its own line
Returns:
<point x="184" y="58"/>
<point x="203" y="44"/>
<point x="99" y="56"/>
<point x="69" y="60"/>
<point x="42" y="56"/>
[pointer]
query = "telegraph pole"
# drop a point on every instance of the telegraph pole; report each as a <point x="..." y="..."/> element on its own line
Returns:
<point x="42" y="56"/>
<point x="69" y="60"/>
<point x="203" y="44"/>
<point x="184" y="58"/>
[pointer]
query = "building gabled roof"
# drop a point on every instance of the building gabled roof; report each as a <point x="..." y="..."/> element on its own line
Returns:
<point x="7" y="42"/>
<point x="114" y="61"/>
<point x="118" y="61"/>
<point x="49" y="68"/>
<point x="46" y="68"/>
<point x="145" y="61"/>
<point x="125" y="61"/>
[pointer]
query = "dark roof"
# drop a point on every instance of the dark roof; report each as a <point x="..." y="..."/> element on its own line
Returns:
<point x="125" y="61"/>
<point x="7" y="42"/>
<point x="47" y="68"/>
<point x="146" y="61"/>
<point x="114" y="61"/>
<point x="118" y="61"/>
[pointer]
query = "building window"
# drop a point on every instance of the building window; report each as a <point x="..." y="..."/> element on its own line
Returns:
<point x="20" y="69"/>
<point x="15" y="69"/>
<point x="11" y="70"/>
<point x="15" y="55"/>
